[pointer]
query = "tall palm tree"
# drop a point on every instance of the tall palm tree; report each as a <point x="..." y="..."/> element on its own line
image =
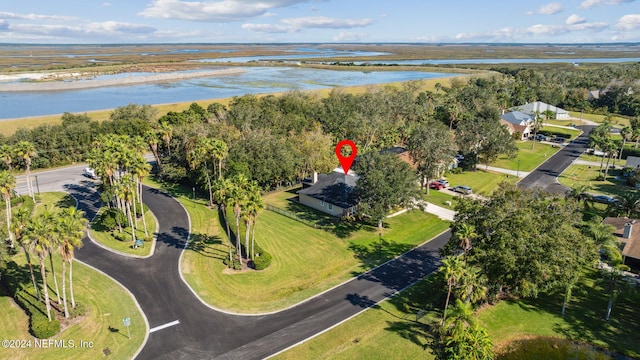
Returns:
<point x="152" y="140"/>
<point x="7" y="184"/>
<point x="53" y="241"/>
<point x="140" y="169"/>
<point x="626" y="133"/>
<point x="26" y="151"/>
<point x="22" y="217"/>
<point x="72" y="227"/>
<point x="237" y="197"/>
<point x="219" y="152"/>
<point x="256" y="204"/>
<point x="460" y="317"/>
<point x="200" y="151"/>
<point x="222" y="196"/>
<point x="6" y="155"/>
<point x="166" y="133"/>
<point x="37" y="233"/>
<point x="628" y="203"/>
<point x="128" y="196"/>
<point x="452" y="268"/>
<point x="537" y="124"/>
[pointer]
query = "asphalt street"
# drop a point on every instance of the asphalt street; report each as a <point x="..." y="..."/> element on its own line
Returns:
<point x="545" y="175"/>
<point x="195" y="331"/>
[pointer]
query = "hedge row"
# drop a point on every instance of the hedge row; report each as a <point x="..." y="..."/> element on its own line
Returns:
<point x="39" y="324"/>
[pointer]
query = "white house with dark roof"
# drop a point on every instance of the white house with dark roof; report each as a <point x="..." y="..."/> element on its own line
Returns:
<point x="333" y="193"/>
<point x="517" y="121"/>
<point x="540" y="107"/>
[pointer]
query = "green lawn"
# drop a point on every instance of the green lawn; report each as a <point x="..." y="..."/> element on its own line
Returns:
<point x="586" y="175"/>
<point x="105" y="237"/>
<point x="107" y="303"/>
<point x="305" y="262"/>
<point x="619" y="121"/>
<point x="482" y="182"/>
<point x="389" y="330"/>
<point x="562" y="132"/>
<point x="439" y="198"/>
<point x="527" y="158"/>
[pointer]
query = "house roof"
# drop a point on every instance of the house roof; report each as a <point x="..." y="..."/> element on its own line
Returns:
<point x="335" y="188"/>
<point x="513" y="128"/>
<point x="632" y="244"/>
<point x="517" y="117"/>
<point x="539" y="106"/>
<point x="632" y="162"/>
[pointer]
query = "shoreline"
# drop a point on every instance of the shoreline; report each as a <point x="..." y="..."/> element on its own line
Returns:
<point x="131" y="80"/>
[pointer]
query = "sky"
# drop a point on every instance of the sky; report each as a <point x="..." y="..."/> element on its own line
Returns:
<point x="318" y="21"/>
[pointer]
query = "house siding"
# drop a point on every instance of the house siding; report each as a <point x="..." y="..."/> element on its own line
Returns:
<point x="318" y="205"/>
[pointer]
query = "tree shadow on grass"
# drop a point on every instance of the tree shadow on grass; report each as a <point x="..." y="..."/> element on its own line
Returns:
<point x="16" y="277"/>
<point x="378" y="252"/>
<point x="203" y="245"/>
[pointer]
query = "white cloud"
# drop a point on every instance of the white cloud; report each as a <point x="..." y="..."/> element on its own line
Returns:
<point x="629" y="22"/>
<point x="547" y="9"/>
<point x="575" y="19"/>
<point x="587" y="4"/>
<point x="350" y="36"/>
<point x="540" y="29"/>
<point x="497" y="35"/>
<point x="313" y="8"/>
<point x="297" y="24"/>
<point x="214" y="11"/>
<point x="269" y="28"/>
<point x="324" y="22"/>
<point x="269" y="14"/>
<point x="10" y="15"/>
<point x="106" y="4"/>
<point x="99" y="29"/>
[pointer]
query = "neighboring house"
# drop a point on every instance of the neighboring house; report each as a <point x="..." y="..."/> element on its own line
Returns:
<point x="632" y="162"/>
<point x="517" y="121"/>
<point x="595" y="94"/>
<point x="540" y="107"/>
<point x="333" y="193"/>
<point x="628" y="231"/>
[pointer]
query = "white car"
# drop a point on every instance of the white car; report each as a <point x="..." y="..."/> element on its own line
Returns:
<point x="90" y="173"/>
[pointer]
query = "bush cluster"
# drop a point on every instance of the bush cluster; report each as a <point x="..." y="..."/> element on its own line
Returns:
<point x="109" y="218"/>
<point x="262" y="260"/>
<point x="39" y="324"/>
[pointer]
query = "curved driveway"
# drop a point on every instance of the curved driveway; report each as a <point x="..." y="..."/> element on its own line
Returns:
<point x="206" y="333"/>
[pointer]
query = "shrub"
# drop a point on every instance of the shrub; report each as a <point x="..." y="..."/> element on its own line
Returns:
<point x="235" y="264"/>
<point x="39" y="324"/>
<point x="109" y="218"/>
<point x="78" y="311"/>
<point x="262" y="260"/>
<point x="121" y="236"/>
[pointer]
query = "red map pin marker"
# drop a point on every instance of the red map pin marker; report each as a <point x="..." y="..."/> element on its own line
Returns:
<point x="346" y="161"/>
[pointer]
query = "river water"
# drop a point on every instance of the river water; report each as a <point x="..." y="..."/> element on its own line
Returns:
<point x="253" y="80"/>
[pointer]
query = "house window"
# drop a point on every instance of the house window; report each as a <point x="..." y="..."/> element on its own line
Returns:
<point x="330" y="207"/>
<point x="321" y="202"/>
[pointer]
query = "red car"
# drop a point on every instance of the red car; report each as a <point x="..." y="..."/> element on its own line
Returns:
<point x="436" y="185"/>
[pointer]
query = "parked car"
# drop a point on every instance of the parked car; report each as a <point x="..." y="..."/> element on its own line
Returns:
<point x="462" y="189"/>
<point x="540" y="137"/>
<point x="444" y="182"/>
<point x="603" y="199"/>
<point x="436" y="185"/>
<point x="90" y="173"/>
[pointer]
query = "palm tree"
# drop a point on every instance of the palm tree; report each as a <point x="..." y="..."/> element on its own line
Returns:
<point x="26" y="151"/>
<point x="72" y="227"/>
<point x="628" y="203"/>
<point x="222" y="196"/>
<point x="37" y="233"/>
<point x="471" y="285"/>
<point x="219" y="152"/>
<point x="7" y="184"/>
<point x="548" y="115"/>
<point x="579" y="193"/>
<point x="166" y="133"/>
<point x="237" y="197"/>
<point x="22" y="217"/>
<point x="460" y="317"/>
<point x="128" y="196"/>
<point x="139" y="169"/>
<point x="6" y="155"/>
<point x="465" y="234"/>
<point x="626" y="133"/>
<point x="452" y="268"/>
<point x="151" y="138"/>
<point x="256" y="204"/>
<point x="53" y="242"/>
<point x="537" y="124"/>
<point x="201" y="149"/>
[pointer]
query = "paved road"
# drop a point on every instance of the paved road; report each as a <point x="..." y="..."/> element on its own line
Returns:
<point x="205" y="333"/>
<point x="545" y="175"/>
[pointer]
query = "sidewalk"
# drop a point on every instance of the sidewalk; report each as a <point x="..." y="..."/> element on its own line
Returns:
<point x="439" y="211"/>
<point x="519" y="174"/>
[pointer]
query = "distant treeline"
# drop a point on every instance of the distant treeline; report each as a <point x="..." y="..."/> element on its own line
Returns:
<point x="281" y="139"/>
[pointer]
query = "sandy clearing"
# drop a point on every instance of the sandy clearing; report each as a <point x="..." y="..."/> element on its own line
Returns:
<point x="130" y="80"/>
